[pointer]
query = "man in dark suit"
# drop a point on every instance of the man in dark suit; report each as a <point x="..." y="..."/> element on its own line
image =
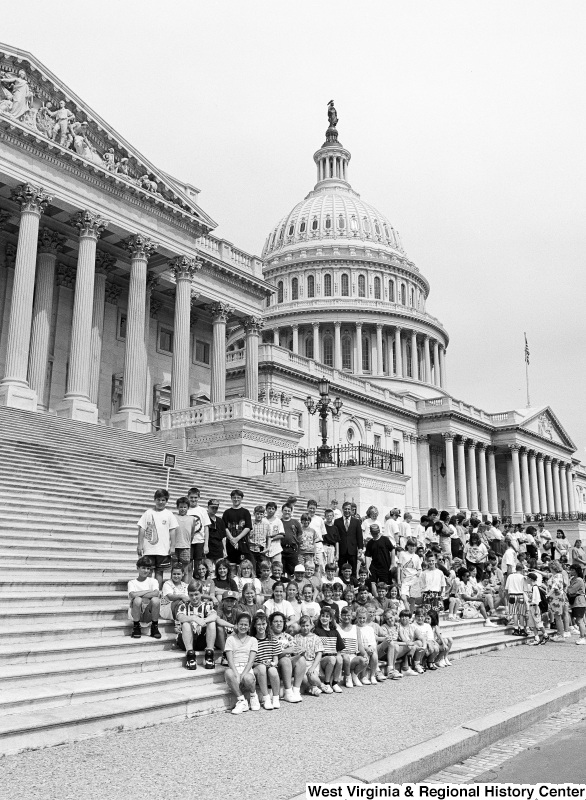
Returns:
<point x="351" y="542"/>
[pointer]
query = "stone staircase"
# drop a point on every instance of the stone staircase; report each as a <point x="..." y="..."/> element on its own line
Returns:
<point x="72" y="494"/>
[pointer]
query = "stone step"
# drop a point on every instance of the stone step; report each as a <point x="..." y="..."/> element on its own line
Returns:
<point x="61" y="547"/>
<point x="76" y="692"/>
<point x="77" y="529"/>
<point x="22" y="555"/>
<point x="45" y="569"/>
<point x="10" y="584"/>
<point x="37" y="652"/>
<point x="34" y="600"/>
<point x="63" y="622"/>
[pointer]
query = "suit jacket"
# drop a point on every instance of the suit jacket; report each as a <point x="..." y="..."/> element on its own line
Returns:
<point x="351" y="540"/>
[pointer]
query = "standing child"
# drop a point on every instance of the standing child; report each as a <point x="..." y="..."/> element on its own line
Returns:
<point x="309" y="539"/>
<point x="534" y="615"/>
<point x="331" y="540"/>
<point x="515" y="588"/>
<point x="259" y="536"/>
<point x="143" y="593"/>
<point x="240" y="653"/>
<point x="277" y="533"/>
<point x="444" y="642"/>
<point x="424" y="633"/>
<point x="199" y="542"/>
<point x="238" y="525"/>
<point x="433" y="583"/>
<point x="183" y="535"/>
<point x="217" y="533"/>
<point x="156" y="532"/>
<point x="409" y="572"/>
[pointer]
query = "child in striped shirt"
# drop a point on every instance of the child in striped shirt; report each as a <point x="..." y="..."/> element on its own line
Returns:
<point x="310" y="646"/>
<point x="265" y="661"/>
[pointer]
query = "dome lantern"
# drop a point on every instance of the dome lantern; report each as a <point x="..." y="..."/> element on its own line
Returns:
<point x="332" y="158"/>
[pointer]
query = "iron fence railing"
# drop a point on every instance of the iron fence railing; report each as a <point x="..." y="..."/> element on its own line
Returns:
<point x="347" y="455"/>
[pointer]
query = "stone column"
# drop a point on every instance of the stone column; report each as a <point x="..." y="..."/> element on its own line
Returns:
<point x="220" y="314"/>
<point x="436" y="367"/>
<point x="425" y="494"/>
<point x="542" y="506"/>
<point x="472" y="481"/>
<point x="525" y="489"/>
<point x="555" y="466"/>
<point x="253" y="327"/>
<point x="390" y="340"/>
<point x="518" y="506"/>
<point x="152" y="280"/>
<point x="408" y="470"/>
<point x="316" y="348"/>
<point x="415" y="501"/>
<point x="14" y="389"/>
<point x="511" y="487"/>
<point x="442" y="363"/>
<point x="450" y="477"/>
<point x="462" y="488"/>
<point x="50" y="244"/>
<point x="493" y="503"/>
<point x="535" y="507"/>
<point x="549" y="486"/>
<point x="295" y="329"/>
<point x="104" y="263"/>
<point x="398" y="353"/>
<point x="77" y="404"/>
<point x="427" y="359"/>
<point x="564" y="488"/>
<point x="379" y="350"/>
<point x="571" y="496"/>
<point x="484" y="509"/>
<point x="276" y="337"/>
<point x="358" y="365"/>
<point x="4" y="218"/>
<point x="414" y="358"/>
<point x="184" y="268"/>
<point x="337" y="346"/>
<point x="9" y="262"/>
<point x="131" y="416"/>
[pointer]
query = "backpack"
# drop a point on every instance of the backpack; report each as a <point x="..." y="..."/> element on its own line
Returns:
<point x="543" y="605"/>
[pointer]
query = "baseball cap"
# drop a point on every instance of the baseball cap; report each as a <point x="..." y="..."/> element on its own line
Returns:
<point x="299" y="568"/>
<point x="228" y="594"/>
<point x="215" y="503"/>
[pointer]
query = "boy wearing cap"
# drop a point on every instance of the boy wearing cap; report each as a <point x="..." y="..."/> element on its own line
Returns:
<point x="238" y="525"/>
<point x="300" y="580"/>
<point x="217" y="533"/>
<point x="226" y="620"/>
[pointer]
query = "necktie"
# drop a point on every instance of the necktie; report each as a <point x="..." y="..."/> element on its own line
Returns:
<point x="346" y="522"/>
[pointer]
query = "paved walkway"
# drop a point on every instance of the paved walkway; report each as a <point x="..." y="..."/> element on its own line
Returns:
<point x="551" y="751"/>
<point x="271" y="755"/>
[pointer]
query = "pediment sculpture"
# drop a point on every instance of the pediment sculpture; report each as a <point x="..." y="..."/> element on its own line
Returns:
<point x="544" y="426"/>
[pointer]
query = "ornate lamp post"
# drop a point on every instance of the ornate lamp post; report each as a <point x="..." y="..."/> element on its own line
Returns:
<point x="323" y="406"/>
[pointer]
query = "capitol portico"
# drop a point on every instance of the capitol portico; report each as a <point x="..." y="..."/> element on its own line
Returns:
<point x="119" y="306"/>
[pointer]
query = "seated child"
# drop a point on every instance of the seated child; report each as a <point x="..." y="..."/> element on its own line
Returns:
<point x="354" y="658"/>
<point x="388" y="646"/>
<point x="174" y="592"/>
<point x="266" y="582"/>
<point x="408" y="635"/>
<point x="311" y="648"/>
<point x="198" y="627"/>
<point x="240" y="654"/>
<point x="202" y="573"/>
<point x="314" y="577"/>
<point x="223" y="581"/>
<point x="309" y="607"/>
<point x="371" y="673"/>
<point x="444" y="642"/>
<point x="424" y="633"/>
<point x="333" y="644"/>
<point x="331" y="577"/>
<point x="291" y="664"/>
<point x="328" y="600"/>
<point x="265" y="662"/>
<point x="143" y="593"/>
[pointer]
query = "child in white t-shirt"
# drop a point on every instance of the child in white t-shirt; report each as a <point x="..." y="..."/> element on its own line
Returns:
<point x="186" y="527"/>
<point x="275" y="549"/>
<point x="156" y="534"/>
<point x="174" y="592"/>
<point x="515" y="589"/>
<point x="199" y="541"/>
<point x="309" y="607"/>
<point x="371" y="673"/>
<point x="310" y="646"/>
<point x="424" y="633"/>
<point x="143" y="593"/>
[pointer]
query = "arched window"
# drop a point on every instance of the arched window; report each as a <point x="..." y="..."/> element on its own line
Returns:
<point x="295" y="289"/>
<point x="376" y="227"/>
<point x="377" y="291"/>
<point x="345" y="284"/>
<point x="366" y="224"/>
<point x="314" y="224"/>
<point x="341" y="222"/>
<point x="280" y="292"/>
<point x="361" y="286"/>
<point x="291" y="229"/>
<point x="403" y="294"/>
<point x="347" y="352"/>
<point x="327" y="285"/>
<point x="310" y="286"/>
<point x="413" y="297"/>
<point x="391" y="291"/>
<point x="365" y="354"/>
<point x="328" y="222"/>
<point x="281" y="232"/>
<point x="328" y="346"/>
<point x="386" y="230"/>
<point x="309" y="346"/>
<point x="302" y="226"/>
<point x="353" y="223"/>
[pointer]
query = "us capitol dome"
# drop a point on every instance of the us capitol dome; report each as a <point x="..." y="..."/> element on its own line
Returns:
<point x="347" y="295"/>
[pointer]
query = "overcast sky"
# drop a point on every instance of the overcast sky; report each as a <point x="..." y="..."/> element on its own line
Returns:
<point x="465" y="121"/>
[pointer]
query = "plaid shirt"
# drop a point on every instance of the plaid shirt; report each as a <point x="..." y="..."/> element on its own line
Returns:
<point x="257" y="538"/>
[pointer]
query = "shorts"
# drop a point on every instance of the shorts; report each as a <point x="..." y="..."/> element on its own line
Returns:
<point x="199" y="641"/>
<point x="145" y="613"/>
<point x="183" y="555"/>
<point x="159" y="561"/>
<point x="197" y="552"/>
<point x="578" y="612"/>
<point x="517" y="604"/>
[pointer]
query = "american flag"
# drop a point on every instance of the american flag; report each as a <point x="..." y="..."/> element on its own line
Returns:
<point x="526" y="350"/>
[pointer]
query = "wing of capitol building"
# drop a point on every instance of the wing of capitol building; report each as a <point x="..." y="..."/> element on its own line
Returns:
<point x="317" y="365"/>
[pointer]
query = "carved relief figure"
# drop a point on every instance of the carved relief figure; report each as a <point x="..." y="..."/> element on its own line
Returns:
<point x="544" y="427"/>
<point x="63" y="117"/>
<point x="148" y="182"/>
<point x="122" y="167"/>
<point x="19" y="92"/>
<point x="110" y="160"/>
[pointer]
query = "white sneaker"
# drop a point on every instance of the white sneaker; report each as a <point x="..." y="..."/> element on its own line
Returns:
<point x="288" y="696"/>
<point x="409" y="672"/>
<point x="567" y="635"/>
<point x="276" y="702"/>
<point x="336" y="688"/>
<point x="240" y="707"/>
<point x="356" y="680"/>
<point x="448" y="662"/>
<point x="267" y="703"/>
<point x="348" y="683"/>
<point x="296" y="698"/>
<point x="365" y="681"/>
<point x="489" y="624"/>
<point x="580" y="641"/>
<point x="254" y="702"/>
<point x="328" y="689"/>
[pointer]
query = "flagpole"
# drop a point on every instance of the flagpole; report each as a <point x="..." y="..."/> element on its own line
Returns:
<point x="527" y="370"/>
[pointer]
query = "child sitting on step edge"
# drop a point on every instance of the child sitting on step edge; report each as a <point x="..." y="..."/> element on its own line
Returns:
<point x="143" y="593"/>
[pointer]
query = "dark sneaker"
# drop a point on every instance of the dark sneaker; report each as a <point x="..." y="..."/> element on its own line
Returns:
<point x="136" y="631"/>
<point x="209" y="660"/>
<point x="155" y="632"/>
<point x="190" y="662"/>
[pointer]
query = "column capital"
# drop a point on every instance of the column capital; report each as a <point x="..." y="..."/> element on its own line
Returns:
<point x="140" y="246"/>
<point x="423" y="437"/>
<point x="490" y="449"/>
<point x="50" y="242"/>
<point x="359" y="325"/>
<point x="65" y="276"/>
<point x="449" y="436"/>
<point x="337" y="324"/>
<point x="555" y="462"/>
<point x="547" y="459"/>
<point x="532" y="453"/>
<point x="90" y="225"/>
<point x="398" y="328"/>
<point x="184" y="268"/>
<point x="112" y="293"/>
<point x="388" y="430"/>
<point x="253" y="325"/>
<point x="315" y="325"/>
<point x="104" y="262"/>
<point x="295" y="325"/>
<point x="514" y="447"/>
<point x="482" y="445"/>
<point x="406" y="436"/>
<point x="379" y="326"/>
<point x="220" y="311"/>
<point x="30" y="198"/>
<point x="540" y="457"/>
<point x="152" y="280"/>
<point x="471" y="444"/>
<point x="524" y="451"/>
<point x="10" y="255"/>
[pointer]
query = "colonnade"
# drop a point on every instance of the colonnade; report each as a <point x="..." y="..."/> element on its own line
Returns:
<point x="27" y="351"/>
<point x="393" y="350"/>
